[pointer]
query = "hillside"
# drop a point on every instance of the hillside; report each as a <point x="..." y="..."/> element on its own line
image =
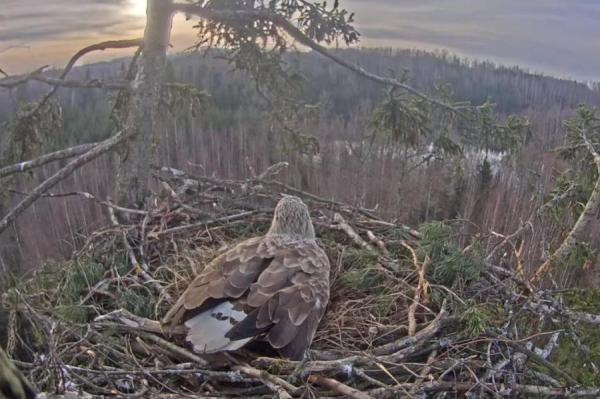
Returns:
<point x="235" y="119"/>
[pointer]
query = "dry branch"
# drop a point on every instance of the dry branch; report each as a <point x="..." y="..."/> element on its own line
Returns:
<point x="338" y="387"/>
<point x="12" y="82"/>
<point x="62" y="174"/>
<point x="45" y="159"/>
<point x="111" y="44"/>
<point x="579" y="230"/>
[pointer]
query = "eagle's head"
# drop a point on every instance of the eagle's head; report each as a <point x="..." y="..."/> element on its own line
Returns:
<point x="291" y="218"/>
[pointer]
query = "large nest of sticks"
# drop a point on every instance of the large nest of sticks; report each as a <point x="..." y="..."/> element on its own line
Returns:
<point x="411" y="314"/>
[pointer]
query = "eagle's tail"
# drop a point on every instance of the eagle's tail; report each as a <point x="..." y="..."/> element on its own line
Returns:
<point x="207" y="330"/>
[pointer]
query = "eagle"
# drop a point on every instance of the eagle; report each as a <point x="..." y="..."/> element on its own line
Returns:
<point x="273" y="288"/>
<point x="12" y="383"/>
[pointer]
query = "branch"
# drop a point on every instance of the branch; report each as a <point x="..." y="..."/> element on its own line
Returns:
<point x="62" y="174"/>
<point x="88" y="196"/>
<point x="583" y="222"/>
<point x="278" y="385"/>
<point x="508" y="391"/>
<point x="141" y="269"/>
<point x="94" y="47"/>
<point x="298" y="35"/>
<point x="47" y="158"/>
<point x="111" y="44"/>
<point x="539" y="359"/>
<point x="338" y="387"/>
<point x="14" y="81"/>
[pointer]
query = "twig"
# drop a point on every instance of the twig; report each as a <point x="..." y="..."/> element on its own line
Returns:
<point x="278" y="385"/>
<point x="508" y="391"/>
<point x="543" y="362"/>
<point x="141" y="269"/>
<point x="587" y="216"/>
<point x="8" y="83"/>
<point x="421" y="290"/>
<point x="342" y="225"/>
<point x="47" y="158"/>
<point x="89" y="196"/>
<point x="62" y="174"/>
<point x="423" y="374"/>
<point x="94" y="47"/>
<point x="201" y="225"/>
<point x="338" y="387"/>
<point x="124" y="317"/>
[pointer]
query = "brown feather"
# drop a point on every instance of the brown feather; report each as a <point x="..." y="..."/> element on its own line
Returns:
<point x="280" y="280"/>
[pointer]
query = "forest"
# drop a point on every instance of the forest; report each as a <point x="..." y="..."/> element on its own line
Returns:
<point x="233" y="133"/>
<point x="454" y="203"/>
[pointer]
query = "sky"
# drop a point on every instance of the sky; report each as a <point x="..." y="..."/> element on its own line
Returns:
<point x="554" y="37"/>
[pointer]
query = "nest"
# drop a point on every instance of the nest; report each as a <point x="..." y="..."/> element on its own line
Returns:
<point x="396" y="326"/>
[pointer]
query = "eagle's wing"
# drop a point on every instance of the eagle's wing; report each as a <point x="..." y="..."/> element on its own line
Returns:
<point x="267" y="285"/>
<point x="221" y="278"/>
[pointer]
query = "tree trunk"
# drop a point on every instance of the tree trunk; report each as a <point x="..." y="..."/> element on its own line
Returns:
<point x="135" y="160"/>
<point x="578" y="234"/>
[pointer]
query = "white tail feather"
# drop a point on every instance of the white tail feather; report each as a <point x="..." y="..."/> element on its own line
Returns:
<point x="207" y="330"/>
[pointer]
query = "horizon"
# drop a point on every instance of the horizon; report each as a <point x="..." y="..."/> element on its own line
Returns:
<point x="506" y="33"/>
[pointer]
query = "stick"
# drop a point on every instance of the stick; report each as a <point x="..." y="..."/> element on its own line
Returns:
<point x="342" y="225"/>
<point x="508" y="391"/>
<point x="419" y="292"/>
<point x="338" y="387"/>
<point x="141" y="269"/>
<point x="62" y="174"/>
<point x="47" y="158"/>
<point x="276" y="384"/>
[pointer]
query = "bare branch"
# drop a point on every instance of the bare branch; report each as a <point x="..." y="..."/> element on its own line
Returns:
<point x="583" y="222"/>
<point x="509" y="391"/>
<point x="62" y="174"/>
<point x="10" y="82"/>
<point x="45" y="159"/>
<point x="88" y="196"/>
<point x="112" y="44"/>
<point x="338" y="387"/>
<point x="278" y="385"/>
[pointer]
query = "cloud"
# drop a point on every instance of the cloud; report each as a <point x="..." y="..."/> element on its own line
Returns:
<point x="552" y="36"/>
<point x="35" y="21"/>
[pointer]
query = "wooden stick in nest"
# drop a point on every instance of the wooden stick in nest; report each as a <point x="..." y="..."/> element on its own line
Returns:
<point x="141" y="269"/>
<point x="278" y="385"/>
<point x="338" y="387"/>
<point x="342" y="224"/>
<point x="420" y="292"/>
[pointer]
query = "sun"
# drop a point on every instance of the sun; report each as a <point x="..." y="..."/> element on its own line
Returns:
<point x="137" y="7"/>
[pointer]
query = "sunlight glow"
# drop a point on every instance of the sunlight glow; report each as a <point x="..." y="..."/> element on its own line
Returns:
<point x="137" y="7"/>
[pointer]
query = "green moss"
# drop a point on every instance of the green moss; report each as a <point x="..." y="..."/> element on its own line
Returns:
<point x="448" y="262"/>
<point x="581" y="361"/>
<point x="75" y="313"/>
<point x="79" y="278"/>
<point x="138" y="301"/>
<point x="477" y="319"/>
<point x="360" y="272"/>
<point x="385" y="305"/>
